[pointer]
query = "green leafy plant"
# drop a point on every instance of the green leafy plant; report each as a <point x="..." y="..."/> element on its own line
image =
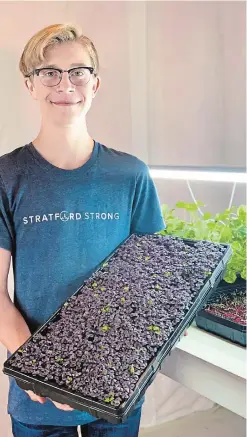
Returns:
<point x="227" y="227"/>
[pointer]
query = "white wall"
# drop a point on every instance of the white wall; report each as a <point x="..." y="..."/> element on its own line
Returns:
<point x="196" y="93"/>
<point x="196" y="83"/>
<point x="173" y="83"/>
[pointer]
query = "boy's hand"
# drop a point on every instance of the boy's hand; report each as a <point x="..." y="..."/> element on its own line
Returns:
<point x="42" y="400"/>
<point x="63" y="407"/>
<point x="35" y="397"/>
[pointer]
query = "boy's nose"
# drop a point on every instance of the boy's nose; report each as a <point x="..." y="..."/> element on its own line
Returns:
<point x="65" y="83"/>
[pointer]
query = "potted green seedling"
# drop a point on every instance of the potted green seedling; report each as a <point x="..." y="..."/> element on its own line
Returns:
<point x="227" y="227"/>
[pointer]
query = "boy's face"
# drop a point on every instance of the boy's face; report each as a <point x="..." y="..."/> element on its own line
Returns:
<point x="78" y="98"/>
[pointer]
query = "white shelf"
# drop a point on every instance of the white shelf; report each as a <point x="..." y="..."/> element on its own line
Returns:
<point x="215" y="350"/>
<point x="211" y="366"/>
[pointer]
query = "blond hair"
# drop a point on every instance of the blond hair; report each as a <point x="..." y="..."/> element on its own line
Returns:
<point x="35" y="50"/>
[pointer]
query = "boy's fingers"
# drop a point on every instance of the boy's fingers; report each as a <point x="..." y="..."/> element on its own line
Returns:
<point x="35" y="398"/>
<point x="63" y="407"/>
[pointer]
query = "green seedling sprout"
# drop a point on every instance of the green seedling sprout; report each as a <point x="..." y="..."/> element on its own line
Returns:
<point x="106" y="309"/>
<point x="154" y="328"/>
<point x="122" y="299"/>
<point x="103" y="288"/>
<point x="110" y="398"/>
<point x="126" y="288"/>
<point x="105" y="328"/>
<point x="94" y="284"/>
<point x="105" y="265"/>
<point x="69" y="379"/>
<point x="132" y="370"/>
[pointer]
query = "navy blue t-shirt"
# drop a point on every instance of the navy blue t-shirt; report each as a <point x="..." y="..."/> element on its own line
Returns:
<point x="59" y="225"/>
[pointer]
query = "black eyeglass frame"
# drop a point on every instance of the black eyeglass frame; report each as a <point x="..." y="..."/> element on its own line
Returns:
<point x="38" y="70"/>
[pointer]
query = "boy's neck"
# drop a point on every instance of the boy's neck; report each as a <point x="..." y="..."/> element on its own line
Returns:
<point x="64" y="149"/>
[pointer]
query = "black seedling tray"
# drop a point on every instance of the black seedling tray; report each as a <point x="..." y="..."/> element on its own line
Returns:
<point x="218" y="325"/>
<point x="116" y="415"/>
<point x="239" y="282"/>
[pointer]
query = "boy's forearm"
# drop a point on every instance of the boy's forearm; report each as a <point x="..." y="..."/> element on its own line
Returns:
<point x="13" y="328"/>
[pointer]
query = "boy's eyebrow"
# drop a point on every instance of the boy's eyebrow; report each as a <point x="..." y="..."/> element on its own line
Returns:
<point x="79" y="64"/>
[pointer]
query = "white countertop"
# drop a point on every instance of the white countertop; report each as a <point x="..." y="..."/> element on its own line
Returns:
<point x="211" y="366"/>
<point x="215" y="350"/>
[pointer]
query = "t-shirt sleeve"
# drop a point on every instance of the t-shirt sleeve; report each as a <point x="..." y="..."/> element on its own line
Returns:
<point x="146" y="211"/>
<point x="6" y="226"/>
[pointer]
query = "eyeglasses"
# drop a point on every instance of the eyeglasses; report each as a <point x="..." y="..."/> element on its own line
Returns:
<point x="79" y="76"/>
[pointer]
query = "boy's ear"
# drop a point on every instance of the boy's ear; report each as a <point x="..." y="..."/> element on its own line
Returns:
<point x="96" y="86"/>
<point x="30" y="86"/>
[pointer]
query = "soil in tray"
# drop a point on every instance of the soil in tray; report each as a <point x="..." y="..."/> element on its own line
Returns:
<point x="231" y="307"/>
<point x="106" y="334"/>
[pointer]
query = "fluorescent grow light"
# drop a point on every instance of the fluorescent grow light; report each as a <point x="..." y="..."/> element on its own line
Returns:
<point x="237" y="175"/>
